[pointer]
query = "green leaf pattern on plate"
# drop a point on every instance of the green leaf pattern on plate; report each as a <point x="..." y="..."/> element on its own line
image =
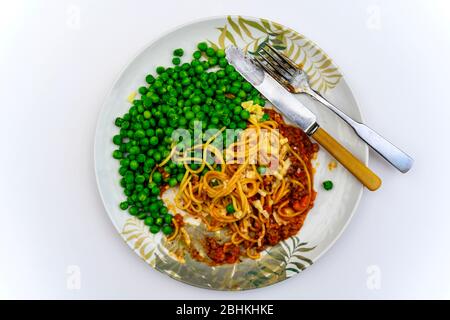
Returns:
<point x="323" y="74"/>
<point x="139" y="238"/>
<point x="276" y="264"/>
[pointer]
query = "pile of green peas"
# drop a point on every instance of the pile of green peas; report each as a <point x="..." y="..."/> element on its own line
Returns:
<point x="206" y="89"/>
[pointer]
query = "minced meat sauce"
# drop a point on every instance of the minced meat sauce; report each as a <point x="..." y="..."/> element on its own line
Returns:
<point x="298" y="198"/>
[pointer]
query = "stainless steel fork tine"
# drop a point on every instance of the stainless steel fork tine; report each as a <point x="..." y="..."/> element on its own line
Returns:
<point x="283" y="57"/>
<point x="271" y="71"/>
<point x="268" y="68"/>
<point x="280" y="65"/>
<point x="276" y="67"/>
<point x="284" y="61"/>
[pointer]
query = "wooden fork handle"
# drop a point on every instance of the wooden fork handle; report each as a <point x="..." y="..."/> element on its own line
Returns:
<point x="369" y="179"/>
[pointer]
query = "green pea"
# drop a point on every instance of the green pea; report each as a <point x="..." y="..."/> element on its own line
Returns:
<point x="144" y="142"/>
<point x="140" y="158"/>
<point x="157" y="156"/>
<point x="173" y="182"/>
<point x="139" y="179"/>
<point x="327" y="185"/>
<point x="154" y="140"/>
<point x="159" y="221"/>
<point x="147" y="102"/>
<point x="196" y="100"/>
<point x="154" y="229"/>
<point x="230" y="208"/>
<point x="134" y="164"/>
<point x="176" y="61"/>
<point x="142" y="216"/>
<point x="118" y="122"/>
<point x="261" y="170"/>
<point x="229" y="69"/>
<point x="178" y="52"/>
<point x="197" y="55"/>
<point x="180" y="177"/>
<point x="150" y="79"/>
<point x="212" y="61"/>
<point x="150" y="132"/>
<point x="117" y="154"/>
<point x="154" y="98"/>
<point x="149" y="221"/>
<point x="117" y="140"/>
<point x="210" y="52"/>
<point x="234" y="90"/>
<point x="133" y="210"/>
<point x="150" y="163"/>
<point x="139" y="134"/>
<point x="265" y="117"/>
<point x="159" y="132"/>
<point x="245" y="115"/>
<point x="157" y="176"/>
<point x="160" y="70"/>
<point x="168" y="218"/>
<point x="155" y="190"/>
<point x="167" y="230"/>
<point x="163" y="210"/>
<point x="147" y="114"/>
<point x="142" y="197"/>
<point x="199" y="69"/>
<point x="154" y="207"/>
<point x="189" y="115"/>
<point x="134" y="150"/>
<point x="202" y="46"/>
<point x="246" y="87"/>
<point x="237" y="110"/>
<point x="242" y="125"/>
<point x="214" y="120"/>
<point x="143" y="90"/>
<point x="124" y="205"/>
<point x="220" y="53"/>
<point x="154" y="214"/>
<point x="129" y="177"/>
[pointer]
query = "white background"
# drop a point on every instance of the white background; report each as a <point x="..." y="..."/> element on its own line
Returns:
<point x="54" y="75"/>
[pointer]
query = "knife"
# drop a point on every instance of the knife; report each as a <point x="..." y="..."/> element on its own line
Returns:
<point x="294" y="110"/>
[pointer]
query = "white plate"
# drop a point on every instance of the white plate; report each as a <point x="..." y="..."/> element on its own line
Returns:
<point x="333" y="209"/>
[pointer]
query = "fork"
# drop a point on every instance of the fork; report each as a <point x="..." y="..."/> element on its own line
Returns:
<point x="295" y="80"/>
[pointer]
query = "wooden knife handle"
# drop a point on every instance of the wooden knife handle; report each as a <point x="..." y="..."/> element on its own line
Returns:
<point x="348" y="160"/>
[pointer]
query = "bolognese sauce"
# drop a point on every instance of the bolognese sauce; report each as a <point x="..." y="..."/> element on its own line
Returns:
<point x="298" y="198"/>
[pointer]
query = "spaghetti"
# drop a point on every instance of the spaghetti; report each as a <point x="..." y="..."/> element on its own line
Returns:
<point x="258" y="191"/>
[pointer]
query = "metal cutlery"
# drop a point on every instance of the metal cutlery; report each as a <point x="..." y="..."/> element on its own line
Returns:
<point x="293" y="109"/>
<point x="295" y="80"/>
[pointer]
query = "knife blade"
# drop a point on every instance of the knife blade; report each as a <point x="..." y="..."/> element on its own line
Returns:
<point x="284" y="101"/>
<point x="300" y="115"/>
